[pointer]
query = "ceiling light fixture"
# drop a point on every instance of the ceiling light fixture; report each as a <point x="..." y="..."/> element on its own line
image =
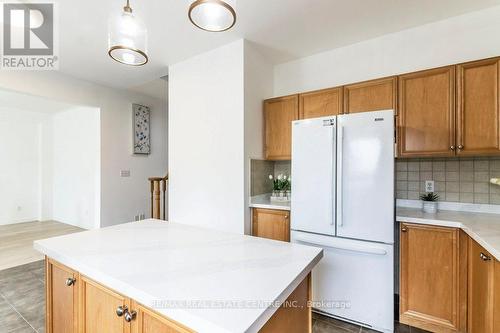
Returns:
<point x="212" y="15"/>
<point x="127" y="38"/>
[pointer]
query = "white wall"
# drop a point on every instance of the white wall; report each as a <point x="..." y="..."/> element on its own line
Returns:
<point x="76" y="139"/>
<point x="215" y="127"/>
<point x="258" y="87"/>
<point x="206" y="139"/>
<point x="21" y="165"/>
<point x="121" y="198"/>
<point x="462" y="38"/>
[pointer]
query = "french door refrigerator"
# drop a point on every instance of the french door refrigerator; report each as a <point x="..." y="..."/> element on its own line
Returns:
<point x="343" y="201"/>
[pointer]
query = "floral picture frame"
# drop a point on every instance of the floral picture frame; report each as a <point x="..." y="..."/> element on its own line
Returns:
<point x="142" y="129"/>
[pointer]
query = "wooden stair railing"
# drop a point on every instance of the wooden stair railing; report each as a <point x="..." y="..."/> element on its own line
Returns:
<point x="158" y="186"/>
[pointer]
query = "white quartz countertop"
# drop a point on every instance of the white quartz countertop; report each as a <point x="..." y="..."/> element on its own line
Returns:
<point x="207" y="280"/>
<point x="483" y="228"/>
<point x="264" y="201"/>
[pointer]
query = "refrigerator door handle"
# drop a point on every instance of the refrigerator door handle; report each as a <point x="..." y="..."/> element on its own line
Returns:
<point x="340" y="151"/>
<point x="352" y="248"/>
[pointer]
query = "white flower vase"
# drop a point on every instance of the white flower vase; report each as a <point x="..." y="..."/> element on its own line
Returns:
<point x="430" y="207"/>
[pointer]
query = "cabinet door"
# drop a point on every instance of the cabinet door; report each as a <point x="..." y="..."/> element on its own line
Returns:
<point x="279" y="114"/>
<point x="478" y="109"/>
<point x="98" y="309"/>
<point x="148" y="321"/>
<point x="480" y="304"/>
<point x="322" y="103"/>
<point x="372" y="95"/>
<point x="430" y="278"/>
<point x="61" y="296"/>
<point x="496" y="297"/>
<point x="427" y="113"/>
<point x="271" y="223"/>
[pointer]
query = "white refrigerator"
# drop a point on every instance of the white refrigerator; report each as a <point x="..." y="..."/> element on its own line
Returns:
<point x="343" y="201"/>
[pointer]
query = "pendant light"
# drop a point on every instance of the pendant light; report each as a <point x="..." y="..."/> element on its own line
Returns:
<point x="127" y="38"/>
<point x="212" y="15"/>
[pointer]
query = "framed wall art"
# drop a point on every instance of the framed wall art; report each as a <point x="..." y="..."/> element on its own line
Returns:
<point x="142" y="129"/>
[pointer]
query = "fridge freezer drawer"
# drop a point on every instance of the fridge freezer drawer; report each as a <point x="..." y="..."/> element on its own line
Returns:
<point x="354" y="280"/>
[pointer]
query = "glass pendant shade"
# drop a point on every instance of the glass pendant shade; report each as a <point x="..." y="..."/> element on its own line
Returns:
<point x="212" y="15"/>
<point x="127" y="38"/>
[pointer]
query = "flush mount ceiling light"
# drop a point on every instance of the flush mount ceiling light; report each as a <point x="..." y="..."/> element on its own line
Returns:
<point x="127" y="38"/>
<point x="212" y="15"/>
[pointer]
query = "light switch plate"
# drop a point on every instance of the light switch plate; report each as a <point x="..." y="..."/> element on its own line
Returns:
<point x="429" y="186"/>
<point x="124" y="173"/>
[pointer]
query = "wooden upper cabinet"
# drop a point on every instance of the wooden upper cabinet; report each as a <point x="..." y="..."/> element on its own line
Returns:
<point x="371" y="95"/>
<point x="321" y="103"/>
<point x="432" y="282"/>
<point x="480" y="286"/>
<point x="279" y="114"/>
<point x="478" y="120"/>
<point x="427" y="113"/>
<point x="98" y="307"/>
<point x="62" y="298"/>
<point x="271" y="223"/>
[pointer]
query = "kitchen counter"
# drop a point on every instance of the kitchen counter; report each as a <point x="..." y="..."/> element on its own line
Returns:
<point x="153" y="261"/>
<point x="483" y="228"/>
<point x="264" y="201"/>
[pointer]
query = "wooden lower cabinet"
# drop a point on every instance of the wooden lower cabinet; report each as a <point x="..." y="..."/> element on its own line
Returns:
<point x="98" y="308"/>
<point x="483" y="299"/>
<point x="496" y="298"/>
<point x="271" y="223"/>
<point x="148" y="321"/>
<point x="77" y="304"/>
<point x="433" y="279"/>
<point x="61" y="298"/>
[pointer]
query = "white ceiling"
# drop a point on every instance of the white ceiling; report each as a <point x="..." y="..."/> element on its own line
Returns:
<point x="283" y="29"/>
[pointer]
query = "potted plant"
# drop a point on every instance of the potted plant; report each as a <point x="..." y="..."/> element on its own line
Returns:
<point x="430" y="202"/>
<point x="281" y="187"/>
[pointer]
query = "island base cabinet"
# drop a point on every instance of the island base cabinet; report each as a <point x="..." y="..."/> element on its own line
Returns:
<point x="61" y="298"/>
<point x="99" y="307"/>
<point x="433" y="292"/>
<point x="295" y="315"/>
<point x="77" y="304"/>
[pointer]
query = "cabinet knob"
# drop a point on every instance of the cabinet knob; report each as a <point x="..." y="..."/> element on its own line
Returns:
<point x="129" y="316"/>
<point x="286" y="216"/>
<point x="404" y="229"/>
<point x="484" y="257"/>
<point x="121" y="310"/>
<point x="461" y="147"/>
<point x="452" y="147"/>
<point x="70" y="281"/>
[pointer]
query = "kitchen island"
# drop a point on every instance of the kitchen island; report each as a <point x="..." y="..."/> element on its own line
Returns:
<point x="157" y="276"/>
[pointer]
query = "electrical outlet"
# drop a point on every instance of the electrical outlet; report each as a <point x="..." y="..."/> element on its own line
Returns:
<point x="429" y="186"/>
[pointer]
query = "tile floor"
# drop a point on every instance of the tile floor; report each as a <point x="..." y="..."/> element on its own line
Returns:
<point x="22" y="299"/>
<point x="22" y="305"/>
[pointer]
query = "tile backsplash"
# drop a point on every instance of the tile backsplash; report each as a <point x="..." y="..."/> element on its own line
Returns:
<point x="260" y="171"/>
<point x="464" y="180"/>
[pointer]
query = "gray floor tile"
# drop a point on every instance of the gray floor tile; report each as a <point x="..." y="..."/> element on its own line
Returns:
<point x="26" y="329"/>
<point x="325" y="324"/>
<point x="10" y="320"/>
